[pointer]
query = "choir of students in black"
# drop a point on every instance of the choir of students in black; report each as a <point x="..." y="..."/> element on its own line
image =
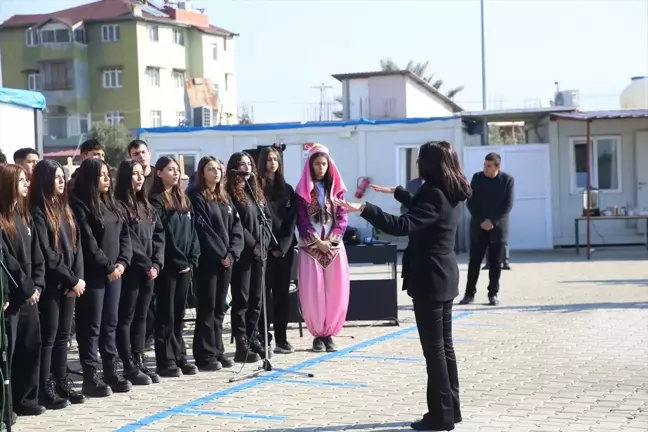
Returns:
<point x="80" y="254"/>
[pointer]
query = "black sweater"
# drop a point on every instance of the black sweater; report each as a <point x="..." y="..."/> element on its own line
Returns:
<point x="25" y="262"/>
<point x="104" y="245"/>
<point x="181" y="247"/>
<point x="147" y="239"/>
<point x="284" y="217"/>
<point x="64" y="263"/>
<point x="219" y="229"/>
<point x="492" y="199"/>
<point x="252" y="230"/>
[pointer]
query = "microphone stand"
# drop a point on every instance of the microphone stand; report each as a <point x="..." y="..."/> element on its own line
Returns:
<point x="266" y="229"/>
<point x="7" y="399"/>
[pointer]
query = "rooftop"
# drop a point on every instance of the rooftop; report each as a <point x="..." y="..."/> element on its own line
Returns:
<point x="603" y="115"/>
<point x="409" y="74"/>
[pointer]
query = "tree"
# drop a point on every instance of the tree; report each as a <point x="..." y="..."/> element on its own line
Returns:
<point x="246" y="114"/>
<point x="115" y="139"/>
<point x="506" y="135"/>
<point x="420" y="69"/>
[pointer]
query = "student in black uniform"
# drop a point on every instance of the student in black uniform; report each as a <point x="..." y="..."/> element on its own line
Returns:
<point x="248" y="272"/>
<point x="25" y="262"/>
<point x="147" y="239"/>
<point x="281" y="201"/>
<point x="221" y="243"/>
<point x="105" y="240"/>
<point x="181" y="253"/>
<point x="60" y="242"/>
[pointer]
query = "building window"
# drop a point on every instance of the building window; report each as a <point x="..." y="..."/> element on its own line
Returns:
<point x="84" y="125"/>
<point x="57" y="76"/>
<point x="604" y="163"/>
<point x="153" y="33"/>
<point x="153" y="75"/>
<point x="112" y="78"/>
<point x="32" y="37"/>
<point x="33" y="81"/>
<point x="80" y="36"/>
<point x="190" y="160"/>
<point x="178" y="78"/>
<point x="178" y="37"/>
<point x="156" y="118"/>
<point x="407" y="169"/>
<point x="110" y="33"/>
<point x="215" y="51"/>
<point x="114" y="117"/>
<point x="55" y="36"/>
<point x="225" y="44"/>
<point x="180" y="118"/>
<point x="227" y="82"/>
<point x="55" y="120"/>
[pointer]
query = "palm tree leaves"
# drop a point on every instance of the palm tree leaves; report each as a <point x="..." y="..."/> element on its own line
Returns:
<point x="419" y="69"/>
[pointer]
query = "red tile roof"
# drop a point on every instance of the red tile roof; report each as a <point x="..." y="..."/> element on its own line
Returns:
<point x="99" y="11"/>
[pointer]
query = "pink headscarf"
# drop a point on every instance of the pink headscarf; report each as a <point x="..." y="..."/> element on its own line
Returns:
<point x="306" y="185"/>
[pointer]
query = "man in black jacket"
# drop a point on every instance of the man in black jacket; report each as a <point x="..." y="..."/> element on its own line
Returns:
<point x="490" y="206"/>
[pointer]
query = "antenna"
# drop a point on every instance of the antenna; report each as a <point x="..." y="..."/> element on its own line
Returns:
<point x="322" y="88"/>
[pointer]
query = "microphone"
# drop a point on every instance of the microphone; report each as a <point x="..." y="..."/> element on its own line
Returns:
<point x="362" y="185"/>
<point x="370" y="241"/>
<point x="241" y="172"/>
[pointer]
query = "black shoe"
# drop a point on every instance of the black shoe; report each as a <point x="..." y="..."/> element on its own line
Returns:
<point x="258" y="347"/>
<point x="467" y="300"/>
<point x="93" y="383"/>
<point x="65" y="388"/>
<point x="493" y="300"/>
<point x="283" y="348"/>
<point x="115" y="379"/>
<point x="133" y="374"/>
<point x="506" y="266"/>
<point x="212" y="365"/>
<point x="172" y="371"/>
<point x="318" y="344"/>
<point x="29" y="409"/>
<point x="485" y="267"/>
<point x="187" y="368"/>
<point x="422" y="425"/>
<point x="50" y="399"/>
<point x="12" y="419"/>
<point x="244" y="354"/>
<point x="140" y="361"/>
<point x="329" y="344"/>
<point x="227" y="363"/>
<point x="150" y="342"/>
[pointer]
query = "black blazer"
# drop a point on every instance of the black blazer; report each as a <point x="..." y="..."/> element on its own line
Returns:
<point x="429" y="262"/>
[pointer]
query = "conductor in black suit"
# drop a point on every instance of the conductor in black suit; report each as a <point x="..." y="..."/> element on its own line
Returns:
<point x="490" y="206"/>
<point x="430" y="272"/>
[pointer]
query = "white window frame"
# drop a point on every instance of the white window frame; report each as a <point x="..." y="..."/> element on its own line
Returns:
<point x="179" y="37"/>
<point x="156" y="118"/>
<point x="153" y="32"/>
<point x="176" y="155"/>
<point x="33" y="81"/>
<point x="153" y="76"/>
<point x="594" y="166"/>
<point x="215" y="52"/>
<point x="32" y="37"/>
<point x="112" y="78"/>
<point x="88" y="124"/>
<point x="114" y="117"/>
<point x="399" y="169"/>
<point x="110" y="33"/>
<point x="84" y="36"/>
<point x="179" y="77"/>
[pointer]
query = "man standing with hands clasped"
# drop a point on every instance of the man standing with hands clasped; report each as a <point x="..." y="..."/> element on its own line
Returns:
<point x="489" y="206"/>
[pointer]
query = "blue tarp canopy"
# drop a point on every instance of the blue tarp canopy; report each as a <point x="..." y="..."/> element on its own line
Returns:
<point x="23" y="98"/>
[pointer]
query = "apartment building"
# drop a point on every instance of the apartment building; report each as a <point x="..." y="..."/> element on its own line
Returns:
<point x="120" y="61"/>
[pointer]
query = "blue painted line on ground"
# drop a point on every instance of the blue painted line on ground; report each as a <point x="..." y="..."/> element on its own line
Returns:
<point x="376" y="357"/>
<point x="236" y="415"/>
<point x="147" y="421"/>
<point x="316" y="383"/>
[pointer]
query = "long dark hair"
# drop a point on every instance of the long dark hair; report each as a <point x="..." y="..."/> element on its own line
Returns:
<point x="271" y="187"/>
<point x="218" y="194"/>
<point x="438" y="164"/>
<point x="174" y="199"/>
<point x="11" y="203"/>
<point x="125" y="193"/>
<point x="327" y="180"/>
<point x="54" y="206"/>
<point x="86" y="189"/>
<point x="235" y="183"/>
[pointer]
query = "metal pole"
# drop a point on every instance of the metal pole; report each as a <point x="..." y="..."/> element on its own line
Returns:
<point x="485" y="138"/>
<point x="588" y="155"/>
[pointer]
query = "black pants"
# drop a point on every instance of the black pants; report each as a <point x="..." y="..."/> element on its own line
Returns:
<point x="150" y="317"/>
<point x="434" y="322"/>
<point x="134" y="302"/>
<point x="277" y="283"/>
<point x="212" y="283"/>
<point x="480" y="241"/>
<point x="96" y="322"/>
<point x="505" y="254"/>
<point x="23" y="352"/>
<point x="56" y="316"/>
<point x="171" y="291"/>
<point x="247" y="282"/>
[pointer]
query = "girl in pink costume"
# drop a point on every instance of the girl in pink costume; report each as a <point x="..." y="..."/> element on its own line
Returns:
<point x="323" y="265"/>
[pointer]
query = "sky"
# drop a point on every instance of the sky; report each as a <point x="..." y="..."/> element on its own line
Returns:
<point x="287" y="47"/>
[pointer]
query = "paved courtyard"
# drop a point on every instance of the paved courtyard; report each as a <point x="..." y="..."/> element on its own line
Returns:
<point x="567" y="350"/>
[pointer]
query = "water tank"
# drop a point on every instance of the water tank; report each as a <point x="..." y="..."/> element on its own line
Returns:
<point x="635" y="95"/>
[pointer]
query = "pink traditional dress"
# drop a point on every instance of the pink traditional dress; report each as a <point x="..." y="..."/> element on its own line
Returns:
<point x="323" y="277"/>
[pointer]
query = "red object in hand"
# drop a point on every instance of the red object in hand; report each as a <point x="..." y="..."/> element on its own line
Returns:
<point x="363" y="184"/>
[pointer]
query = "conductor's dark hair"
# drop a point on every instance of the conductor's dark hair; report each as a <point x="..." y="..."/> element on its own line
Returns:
<point x="438" y="165"/>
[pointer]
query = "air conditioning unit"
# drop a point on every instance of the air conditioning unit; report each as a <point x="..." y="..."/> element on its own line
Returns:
<point x="203" y="116"/>
<point x="567" y="98"/>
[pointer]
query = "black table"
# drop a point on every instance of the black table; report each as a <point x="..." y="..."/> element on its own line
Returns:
<point x="579" y="219"/>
